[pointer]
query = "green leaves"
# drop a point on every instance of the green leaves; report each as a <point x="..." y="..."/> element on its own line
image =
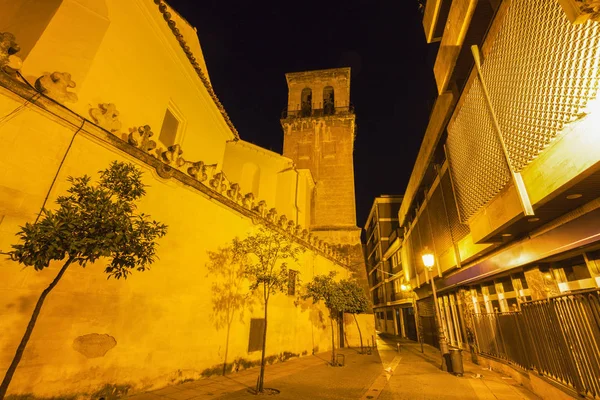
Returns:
<point x="267" y="253"/>
<point x="94" y="221"/>
<point x="343" y="296"/>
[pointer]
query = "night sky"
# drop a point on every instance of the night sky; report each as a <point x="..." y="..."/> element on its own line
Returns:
<point x="250" y="45"/>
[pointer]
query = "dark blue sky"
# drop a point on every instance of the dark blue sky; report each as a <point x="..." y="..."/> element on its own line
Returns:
<point x="250" y="45"/>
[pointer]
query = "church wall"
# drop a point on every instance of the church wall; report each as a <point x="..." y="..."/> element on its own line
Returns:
<point x="123" y="52"/>
<point x="155" y="328"/>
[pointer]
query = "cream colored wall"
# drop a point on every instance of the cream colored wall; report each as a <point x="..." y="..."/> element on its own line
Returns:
<point x="161" y="319"/>
<point x="279" y="183"/>
<point x="123" y="52"/>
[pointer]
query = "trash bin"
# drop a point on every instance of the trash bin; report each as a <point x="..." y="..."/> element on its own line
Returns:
<point x="457" y="363"/>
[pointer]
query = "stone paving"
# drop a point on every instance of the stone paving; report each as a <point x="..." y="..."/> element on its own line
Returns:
<point x="418" y="376"/>
<point x="385" y="375"/>
<point x="301" y="378"/>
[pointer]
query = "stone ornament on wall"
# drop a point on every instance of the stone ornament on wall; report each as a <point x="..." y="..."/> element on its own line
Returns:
<point x="56" y="86"/>
<point x="106" y="116"/>
<point x="580" y="11"/>
<point x="8" y="48"/>
<point x="140" y="138"/>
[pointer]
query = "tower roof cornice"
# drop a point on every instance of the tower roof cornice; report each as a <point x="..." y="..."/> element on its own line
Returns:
<point x="318" y="74"/>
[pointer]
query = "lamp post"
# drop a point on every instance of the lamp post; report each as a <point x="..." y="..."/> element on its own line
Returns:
<point x="429" y="262"/>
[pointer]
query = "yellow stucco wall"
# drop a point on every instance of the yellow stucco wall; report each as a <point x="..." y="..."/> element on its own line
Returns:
<point x="161" y="319"/>
<point x="124" y="53"/>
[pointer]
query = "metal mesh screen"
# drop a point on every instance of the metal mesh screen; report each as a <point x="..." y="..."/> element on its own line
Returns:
<point x="541" y="71"/>
<point x="439" y="222"/>
<point x="459" y="230"/>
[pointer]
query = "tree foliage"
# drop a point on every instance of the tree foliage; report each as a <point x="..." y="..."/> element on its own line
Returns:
<point x="268" y="254"/>
<point x="94" y="221"/>
<point x="266" y="268"/>
<point x="339" y="297"/>
<point x="354" y="298"/>
<point x="91" y="222"/>
<point x="325" y="288"/>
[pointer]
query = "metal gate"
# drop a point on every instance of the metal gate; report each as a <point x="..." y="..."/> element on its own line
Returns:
<point x="559" y="337"/>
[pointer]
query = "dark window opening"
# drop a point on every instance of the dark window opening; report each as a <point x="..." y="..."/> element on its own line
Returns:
<point x="257" y="327"/>
<point x="292" y="277"/>
<point x="168" y="132"/>
<point x="306" y="104"/>
<point x="328" y="101"/>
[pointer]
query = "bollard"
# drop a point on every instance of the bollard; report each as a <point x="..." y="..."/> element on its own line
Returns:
<point x="398" y="347"/>
<point x="337" y="360"/>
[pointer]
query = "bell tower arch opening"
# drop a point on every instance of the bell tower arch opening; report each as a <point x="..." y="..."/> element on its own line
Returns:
<point x="306" y="102"/>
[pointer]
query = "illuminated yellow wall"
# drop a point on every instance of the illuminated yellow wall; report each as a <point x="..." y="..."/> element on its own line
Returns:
<point x="161" y="320"/>
<point x="271" y="177"/>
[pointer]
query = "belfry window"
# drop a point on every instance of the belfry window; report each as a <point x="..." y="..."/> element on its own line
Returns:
<point x="328" y="101"/>
<point x="306" y="107"/>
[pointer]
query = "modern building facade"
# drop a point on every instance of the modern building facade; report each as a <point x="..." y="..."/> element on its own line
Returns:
<point x="131" y="85"/>
<point x="504" y="192"/>
<point x="393" y="308"/>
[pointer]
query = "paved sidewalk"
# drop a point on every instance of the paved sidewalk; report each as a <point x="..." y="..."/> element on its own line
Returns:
<point x="384" y="375"/>
<point x="418" y="376"/>
<point x="308" y="377"/>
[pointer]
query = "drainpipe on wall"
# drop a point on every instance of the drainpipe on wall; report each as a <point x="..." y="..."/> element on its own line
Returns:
<point x="296" y="197"/>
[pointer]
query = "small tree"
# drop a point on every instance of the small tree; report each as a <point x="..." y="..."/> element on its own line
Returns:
<point x="229" y="291"/>
<point x="325" y="288"/>
<point x="92" y="221"/>
<point x="355" y="301"/>
<point x="266" y="268"/>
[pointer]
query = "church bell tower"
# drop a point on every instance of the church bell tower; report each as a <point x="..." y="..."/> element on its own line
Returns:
<point x="319" y="135"/>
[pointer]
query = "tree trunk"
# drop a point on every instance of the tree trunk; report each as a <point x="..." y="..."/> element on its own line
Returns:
<point x="36" y="312"/>
<point x="359" y="333"/>
<point x="261" y="378"/>
<point x="226" y="348"/>
<point x="332" y="343"/>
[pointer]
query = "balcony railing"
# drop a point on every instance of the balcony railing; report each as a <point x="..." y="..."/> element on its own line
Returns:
<point x="317" y="112"/>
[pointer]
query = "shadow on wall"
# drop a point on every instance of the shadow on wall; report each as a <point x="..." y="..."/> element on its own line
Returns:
<point x="230" y="294"/>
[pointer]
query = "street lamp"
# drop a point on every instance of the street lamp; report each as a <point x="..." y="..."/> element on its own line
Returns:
<point x="429" y="262"/>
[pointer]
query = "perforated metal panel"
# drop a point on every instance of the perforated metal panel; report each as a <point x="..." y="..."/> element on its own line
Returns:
<point x="439" y="221"/>
<point x="541" y="71"/>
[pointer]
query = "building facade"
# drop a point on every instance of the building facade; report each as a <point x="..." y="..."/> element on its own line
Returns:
<point x="82" y="84"/>
<point x="393" y="308"/>
<point x="504" y="192"/>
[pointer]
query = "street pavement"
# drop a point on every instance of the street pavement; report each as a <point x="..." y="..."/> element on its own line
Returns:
<point x="387" y="374"/>
<point x="418" y="377"/>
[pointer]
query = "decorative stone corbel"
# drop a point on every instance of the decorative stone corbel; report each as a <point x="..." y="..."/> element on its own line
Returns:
<point x="8" y="48"/>
<point x="304" y="235"/>
<point x="106" y="116"/>
<point x="56" y="86"/>
<point x="248" y="201"/>
<point x="165" y="171"/>
<point x="291" y="227"/>
<point x="298" y="230"/>
<point x="219" y="182"/>
<point x="198" y="171"/>
<point x="144" y="142"/>
<point x="282" y="221"/>
<point x="272" y="215"/>
<point x="173" y="156"/>
<point x="233" y="192"/>
<point x="261" y="208"/>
